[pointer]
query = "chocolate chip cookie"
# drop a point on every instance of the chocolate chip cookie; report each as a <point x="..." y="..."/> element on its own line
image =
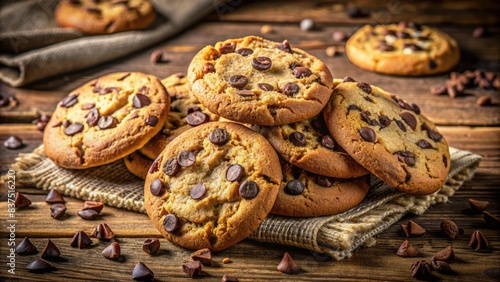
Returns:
<point x="106" y="119"/>
<point x="309" y="145"/>
<point x="389" y="137"/>
<point x="257" y="81"/>
<point x="138" y="164"/>
<point x="105" y="16"/>
<point x="406" y="49"/>
<point x="305" y="194"/>
<point x="212" y="185"/>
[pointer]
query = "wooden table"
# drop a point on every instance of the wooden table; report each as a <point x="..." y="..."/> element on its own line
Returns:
<point x="464" y="124"/>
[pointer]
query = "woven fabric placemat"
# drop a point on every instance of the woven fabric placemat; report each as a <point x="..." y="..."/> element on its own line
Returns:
<point x="338" y="235"/>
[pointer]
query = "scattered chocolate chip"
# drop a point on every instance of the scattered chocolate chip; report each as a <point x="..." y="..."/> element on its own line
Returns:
<point x="112" y="251"/>
<point x="298" y="139"/>
<point x="51" y="251"/>
<point x="421" y="270"/>
<point x="478" y="206"/>
<point x="244" y="51"/>
<point x="73" y="129"/>
<point x="208" y="68"/>
<point x="39" y="266"/>
<point x="186" y="158"/>
<point x="151" y="245"/>
<point x="158" y="56"/>
<point x="80" y="240"/>
<point x="491" y="220"/>
<point x="197" y="118"/>
<point x="288" y="265"/>
<point x="413" y="229"/>
<point x="261" y="63"/>
<point x="141" y="100"/>
<point x="234" y="173"/>
<point x="203" y="255"/>
<point x="151" y="120"/>
<point x="328" y="142"/>
<point x="26" y="247"/>
<point x="142" y="273"/>
<point x="87" y="214"/>
<point x="69" y="101"/>
<point x="438" y="90"/>
<point x="171" y="223"/>
<point x="483" y="100"/>
<point x="54" y="197"/>
<point x="301" y="72"/>
<point x="355" y="12"/>
<point x="197" y="192"/>
<point x="479" y="32"/>
<point x="284" y="46"/>
<point x="265" y="86"/>
<point x="245" y="93"/>
<point x="441" y="267"/>
<point x="102" y="232"/>
<point x="406" y="250"/>
<point x="192" y="268"/>
<point x="368" y="134"/>
<point x="248" y="189"/>
<point x="21" y="201"/>
<point x="294" y="187"/>
<point x="227" y="278"/>
<point x="445" y="254"/>
<point x="478" y="241"/>
<point x="410" y="119"/>
<point x="449" y="228"/>
<point x="13" y="142"/>
<point x="219" y="136"/>
<point x="306" y="25"/>
<point x="238" y="81"/>
<point x="93" y="205"/>
<point x="290" y="89"/>
<point x="406" y="157"/>
<point x="57" y="211"/>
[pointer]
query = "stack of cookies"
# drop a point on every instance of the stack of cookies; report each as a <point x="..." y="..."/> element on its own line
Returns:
<point x="256" y="127"/>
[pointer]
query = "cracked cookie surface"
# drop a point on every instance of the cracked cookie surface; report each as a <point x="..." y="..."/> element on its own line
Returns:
<point x="257" y="81"/>
<point x="105" y="16"/>
<point x="402" y="49"/>
<point x="106" y="119"/>
<point x="389" y="137"/>
<point x="304" y="194"/>
<point x="212" y="186"/>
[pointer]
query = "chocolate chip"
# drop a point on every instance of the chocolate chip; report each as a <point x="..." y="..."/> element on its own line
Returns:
<point x="412" y="47"/>
<point x="324" y="181"/>
<point x="261" y="63"/>
<point x="441" y="267"/>
<point x="80" y="240"/>
<point x="432" y="64"/>
<point x="157" y="188"/>
<point x="368" y="134"/>
<point x="140" y="101"/>
<point x="106" y="122"/>
<point x="227" y="48"/>
<point x="21" y="201"/>
<point x="301" y="72"/>
<point x="294" y="187"/>
<point x="73" y="129"/>
<point x="171" y="167"/>
<point x="142" y="273"/>
<point x="478" y="241"/>
<point x="355" y="12"/>
<point x="69" y="101"/>
<point x="449" y="228"/>
<point x="386" y="48"/>
<point x="88" y="106"/>
<point x="265" y="86"/>
<point x="353" y="108"/>
<point x="151" y="245"/>
<point x="444" y="255"/>
<point x="192" y="268"/>
<point x="39" y="266"/>
<point x="284" y="46"/>
<point x="133" y="115"/>
<point x="434" y="135"/>
<point x="197" y="192"/>
<point x="365" y="87"/>
<point x="171" y="223"/>
<point x="208" y="68"/>
<point x="87" y="214"/>
<point x="186" y="158"/>
<point x="238" y="81"/>
<point x="384" y="121"/>
<point x="421" y="270"/>
<point x="478" y="206"/>
<point x="93" y="117"/>
<point x="121" y="78"/>
<point x="491" y="220"/>
<point x="219" y="136"/>
<point x="13" y="142"/>
<point x="348" y="79"/>
<point x="54" y="197"/>
<point x="288" y="265"/>
<point x="234" y="173"/>
<point x="410" y="119"/>
<point x="93" y="205"/>
<point x="151" y="120"/>
<point x="26" y="247"/>
<point x="400" y="124"/>
<point x="245" y="93"/>
<point x="415" y="229"/>
<point x="415" y="26"/>
<point x="50" y="251"/>
<point x="203" y="255"/>
<point x="328" y="142"/>
<point x="244" y="51"/>
<point x="197" y="118"/>
<point x="298" y="139"/>
<point x="406" y="250"/>
<point x="483" y="100"/>
<point x="290" y="89"/>
<point x="406" y="157"/>
<point x="249" y="189"/>
<point x="113" y="251"/>
<point x="57" y="211"/>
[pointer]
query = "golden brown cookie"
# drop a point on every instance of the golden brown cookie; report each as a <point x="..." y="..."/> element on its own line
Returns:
<point x="389" y="137"/>
<point x="138" y="164"/>
<point x="309" y="145"/>
<point x="257" y="81"/>
<point x="305" y="194"/>
<point x="106" y="119"/>
<point x="212" y="185"/>
<point x="406" y="49"/>
<point x="105" y="16"/>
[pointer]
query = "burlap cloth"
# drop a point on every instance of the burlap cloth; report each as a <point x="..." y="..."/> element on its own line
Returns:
<point x="33" y="47"/>
<point x="337" y="235"/>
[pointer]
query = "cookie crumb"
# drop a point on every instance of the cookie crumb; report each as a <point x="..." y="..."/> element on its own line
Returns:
<point x="331" y="51"/>
<point x="226" y="260"/>
<point x="266" y="29"/>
